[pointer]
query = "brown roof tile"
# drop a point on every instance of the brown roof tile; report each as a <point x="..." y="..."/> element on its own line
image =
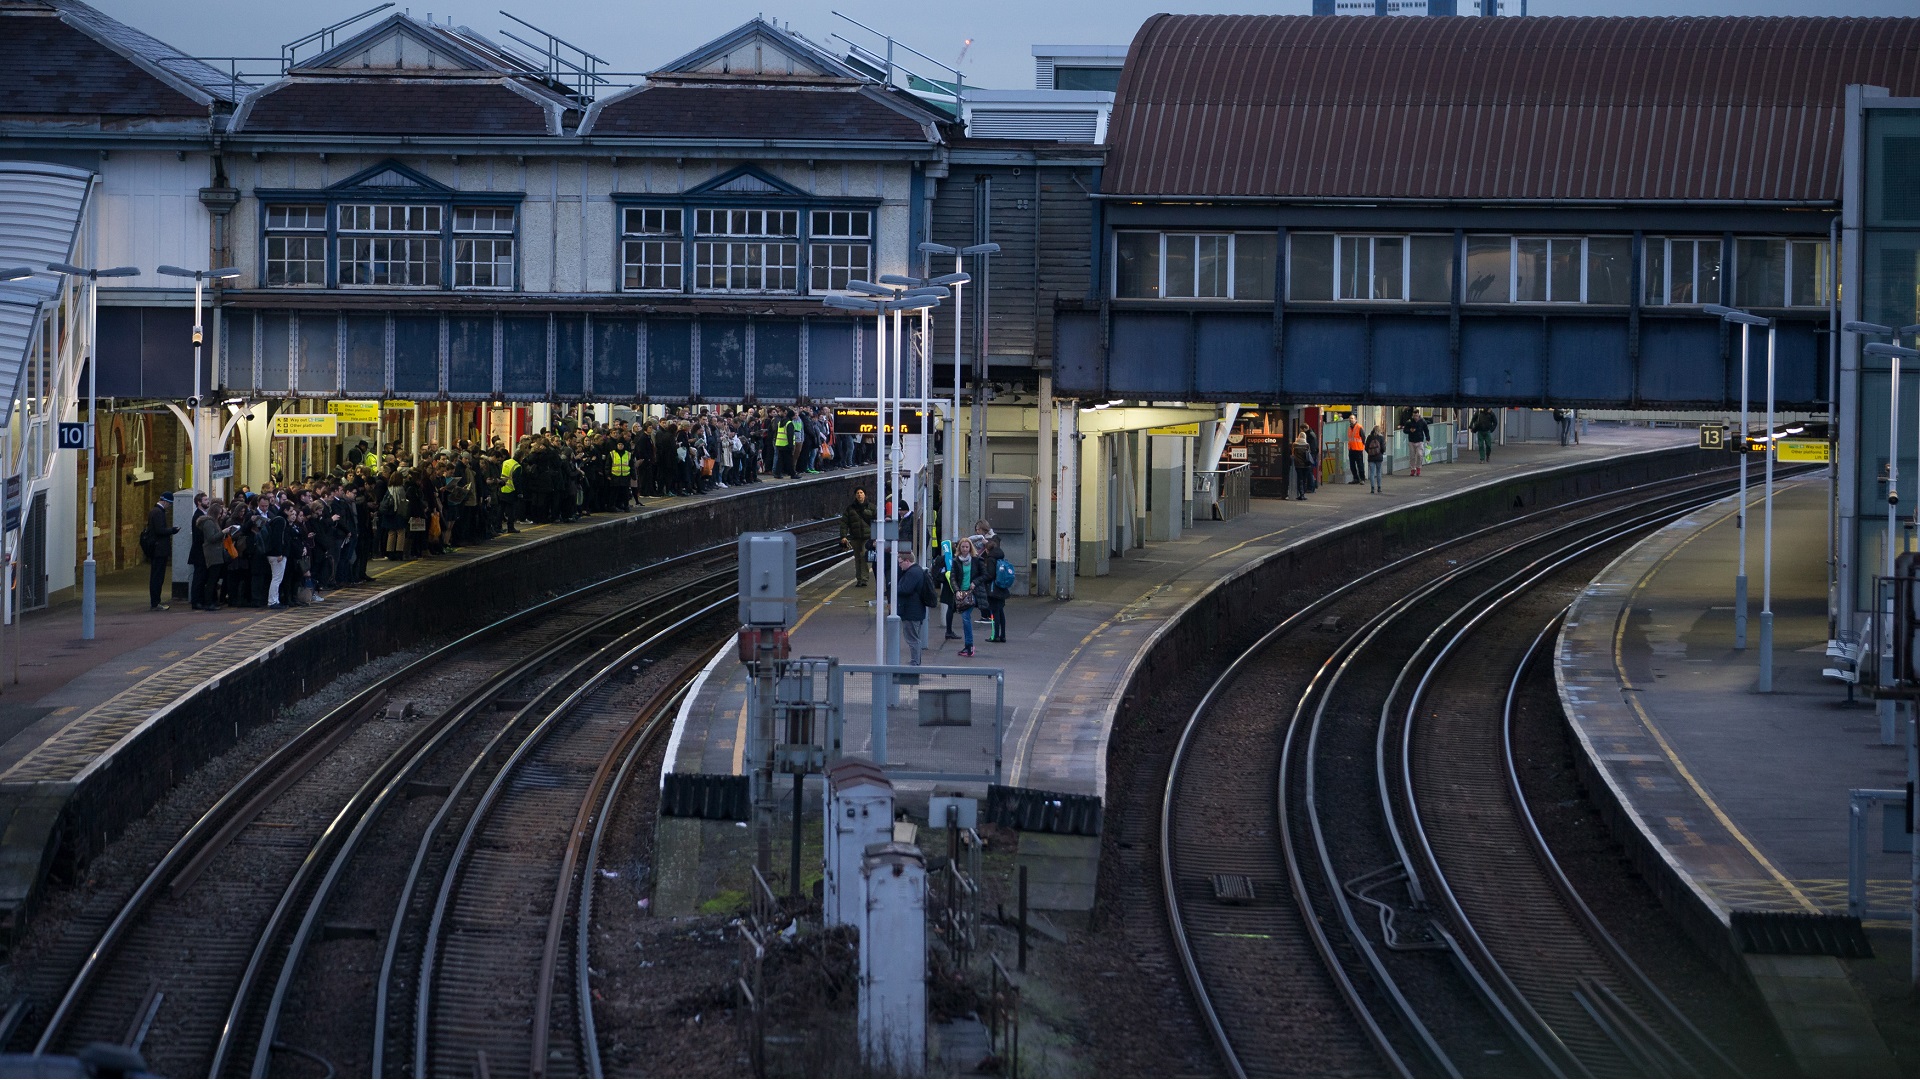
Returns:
<point x="54" y="69"/>
<point x="1610" y="109"/>
<point x="390" y="107"/>
<point x="758" y="112"/>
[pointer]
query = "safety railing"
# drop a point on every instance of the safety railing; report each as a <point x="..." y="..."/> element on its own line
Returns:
<point x="1003" y="1018"/>
<point x="1895" y="837"/>
<point x="1229" y="491"/>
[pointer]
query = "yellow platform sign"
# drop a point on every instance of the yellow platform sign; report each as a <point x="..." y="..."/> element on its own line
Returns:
<point x="399" y="405"/>
<point x="1802" y="450"/>
<point x="355" y="412"/>
<point x="305" y="425"/>
<point x="1175" y="429"/>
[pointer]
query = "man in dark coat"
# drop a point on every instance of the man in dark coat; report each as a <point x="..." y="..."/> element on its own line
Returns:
<point x="856" y="531"/>
<point x="157" y="544"/>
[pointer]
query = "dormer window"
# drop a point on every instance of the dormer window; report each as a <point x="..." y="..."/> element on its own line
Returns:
<point x="389" y="227"/>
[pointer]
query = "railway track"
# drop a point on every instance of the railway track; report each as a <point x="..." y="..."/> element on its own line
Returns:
<point x="1315" y="928"/>
<point x="204" y="948"/>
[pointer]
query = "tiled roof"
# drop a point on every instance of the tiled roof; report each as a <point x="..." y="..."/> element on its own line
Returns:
<point x="387" y="106"/>
<point x="755" y="112"/>
<point x="53" y="67"/>
<point x="1606" y="109"/>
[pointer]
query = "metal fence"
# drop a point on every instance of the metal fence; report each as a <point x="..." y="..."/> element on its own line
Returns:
<point x="1228" y="491"/>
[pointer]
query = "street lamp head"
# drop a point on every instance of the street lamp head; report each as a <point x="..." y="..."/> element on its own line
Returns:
<point x="898" y="279"/>
<point x="869" y="288"/>
<point x="224" y="273"/>
<point x="932" y="248"/>
<point x="927" y="290"/>
<point x="950" y="279"/>
<point x="1735" y="315"/>
<point x="1914" y="329"/>
<point x="66" y="268"/>
<point x="1857" y="327"/>
<point x="1880" y="348"/>
<point x="16" y="273"/>
<point x="851" y="303"/>
<point x="176" y="271"/>
<point x="118" y="271"/>
<point x="981" y="249"/>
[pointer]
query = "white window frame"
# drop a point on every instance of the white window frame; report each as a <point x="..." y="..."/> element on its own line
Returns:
<point x="1791" y="244"/>
<point x="1666" y="267"/>
<point x="311" y="231"/>
<point x="1232" y="259"/>
<point x="839" y="248"/>
<point x="750" y="241"/>
<point x="1372" y="242"/>
<point x="381" y="229"/>
<point x="469" y="238"/>
<point x="1513" y="268"/>
<point x="653" y="238"/>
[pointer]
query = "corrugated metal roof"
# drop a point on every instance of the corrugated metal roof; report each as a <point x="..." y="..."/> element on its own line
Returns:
<point x="1609" y="109"/>
<point x="759" y="111"/>
<point x="40" y="208"/>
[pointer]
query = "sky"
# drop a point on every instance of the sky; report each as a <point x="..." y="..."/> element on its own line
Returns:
<point x="638" y="35"/>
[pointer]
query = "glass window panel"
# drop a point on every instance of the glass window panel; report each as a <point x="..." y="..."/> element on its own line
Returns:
<point x="1812" y="280"/>
<point x="1530" y="270"/>
<point x="1656" y="275"/>
<point x="1180" y="264"/>
<point x="1253" y="265"/>
<point x="1489" y="262"/>
<point x="483" y="263"/>
<point x="1389" y="264"/>
<point x="483" y="219"/>
<point x="652" y="264"/>
<point x="1136" y="271"/>
<point x="1706" y="274"/>
<point x="1760" y="272"/>
<point x="831" y="266"/>
<point x="1356" y="268"/>
<point x="297" y="260"/>
<point x="393" y="261"/>
<point x="1680" y="272"/>
<point x="1609" y="260"/>
<point x="297" y="217"/>
<point x="1210" y="266"/>
<point x="1890" y="293"/>
<point x="1310" y="268"/>
<point x="1431" y="269"/>
<point x="1563" y="271"/>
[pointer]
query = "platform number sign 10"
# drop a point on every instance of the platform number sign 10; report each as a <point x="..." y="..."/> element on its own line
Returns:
<point x="73" y="436"/>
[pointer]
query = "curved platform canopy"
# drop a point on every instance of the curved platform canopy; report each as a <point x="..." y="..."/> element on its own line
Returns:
<point x="40" y="211"/>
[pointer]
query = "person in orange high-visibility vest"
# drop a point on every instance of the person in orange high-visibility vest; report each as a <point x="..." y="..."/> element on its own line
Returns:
<point x="1356" y="452"/>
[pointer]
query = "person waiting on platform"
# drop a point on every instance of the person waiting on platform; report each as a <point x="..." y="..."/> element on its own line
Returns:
<point x="913" y="596"/>
<point x="1417" y="431"/>
<point x="1302" y="463"/>
<point x="998" y="589"/>
<point x="1356" y="452"/>
<point x="968" y="579"/>
<point x="1376" y="460"/>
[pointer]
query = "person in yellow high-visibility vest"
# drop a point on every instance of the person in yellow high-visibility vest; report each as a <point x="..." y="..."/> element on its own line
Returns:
<point x="509" y="498"/>
<point x="620" y="470"/>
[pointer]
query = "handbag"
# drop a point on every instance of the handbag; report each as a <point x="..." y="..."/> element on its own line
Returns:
<point x="433" y="528"/>
<point x="227" y="543"/>
<point x="963" y="601"/>
<point x="826" y="452"/>
<point x="416" y="524"/>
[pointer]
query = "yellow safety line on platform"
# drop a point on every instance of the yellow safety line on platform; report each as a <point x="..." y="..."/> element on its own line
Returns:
<point x="1633" y="699"/>
<point x="740" y="729"/>
<point x="1017" y="771"/>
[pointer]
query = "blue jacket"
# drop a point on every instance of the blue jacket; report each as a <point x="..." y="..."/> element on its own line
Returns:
<point x="915" y="594"/>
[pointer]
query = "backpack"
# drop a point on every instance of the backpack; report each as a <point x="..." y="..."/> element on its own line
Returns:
<point x="1003" y="575"/>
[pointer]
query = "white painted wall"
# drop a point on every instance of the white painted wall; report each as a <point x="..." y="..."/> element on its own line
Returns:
<point x="150" y="213"/>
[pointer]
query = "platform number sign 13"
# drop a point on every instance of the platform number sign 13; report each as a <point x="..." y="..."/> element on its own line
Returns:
<point x="73" y="436"/>
<point x="1712" y="437"/>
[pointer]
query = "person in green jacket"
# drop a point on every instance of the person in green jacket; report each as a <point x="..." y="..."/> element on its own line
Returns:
<point x="856" y="531"/>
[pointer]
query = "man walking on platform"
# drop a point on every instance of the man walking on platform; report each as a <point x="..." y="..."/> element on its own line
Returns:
<point x="856" y="530"/>
<point x="1483" y="426"/>
<point x="913" y="597"/>
<point x="1356" y="452"/>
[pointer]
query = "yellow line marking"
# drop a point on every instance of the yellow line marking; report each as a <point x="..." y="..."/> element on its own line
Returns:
<point x="204" y="637"/>
<point x="740" y="741"/>
<point x="1633" y="699"/>
<point x="141" y="668"/>
<point x="1255" y="540"/>
<point x="169" y="654"/>
<point x="62" y="710"/>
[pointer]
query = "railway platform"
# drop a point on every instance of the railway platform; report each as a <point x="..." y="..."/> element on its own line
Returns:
<point x="1733" y="801"/>
<point x="94" y="731"/>
<point x="1069" y="666"/>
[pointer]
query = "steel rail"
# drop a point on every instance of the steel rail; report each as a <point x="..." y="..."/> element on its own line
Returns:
<point x="1195" y="979"/>
<point x="477" y="815"/>
<point x="295" y="756"/>
<point x="358" y="815"/>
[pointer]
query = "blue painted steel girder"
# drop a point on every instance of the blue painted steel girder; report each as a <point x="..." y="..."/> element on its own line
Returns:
<point x="1544" y="358"/>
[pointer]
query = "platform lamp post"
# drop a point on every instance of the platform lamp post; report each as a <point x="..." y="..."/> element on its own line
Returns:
<point x="877" y="305"/>
<point x="197" y="440"/>
<point x="8" y="275"/>
<point x="1745" y="321"/>
<point x="926" y="286"/>
<point x="88" y="574"/>
<point x="953" y="474"/>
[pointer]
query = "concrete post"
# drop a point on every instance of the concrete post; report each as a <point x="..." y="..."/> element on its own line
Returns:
<point x="1043" y="510"/>
<point x="893" y="960"/>
<point x="1066" y="510"/>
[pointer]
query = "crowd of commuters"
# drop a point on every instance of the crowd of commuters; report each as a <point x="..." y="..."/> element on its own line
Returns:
<point x="291" y="542"/>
